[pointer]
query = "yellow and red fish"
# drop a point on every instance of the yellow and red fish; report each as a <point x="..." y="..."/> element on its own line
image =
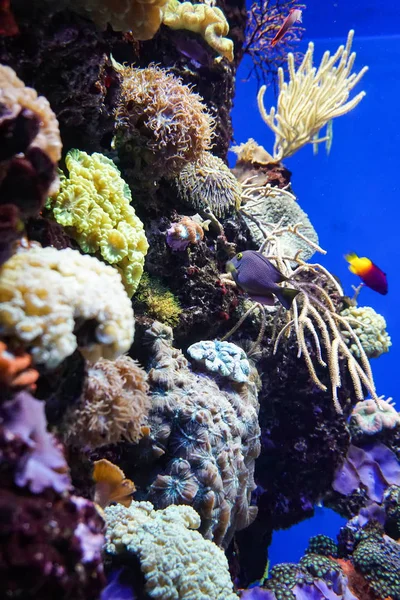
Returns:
<point x="293" y="16"/>
<point x="371" y="275"/>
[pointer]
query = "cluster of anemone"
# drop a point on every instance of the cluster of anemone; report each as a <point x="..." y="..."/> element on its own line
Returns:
<point x="161" y="123"/>
<point x="113" y="406"/>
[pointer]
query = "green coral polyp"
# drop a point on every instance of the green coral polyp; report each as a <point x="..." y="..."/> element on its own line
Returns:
<point x="94" y="204"/>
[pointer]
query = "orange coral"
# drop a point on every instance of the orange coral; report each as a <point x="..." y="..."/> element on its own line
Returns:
<point x="113" y="406"/>
<point x="357" y="584"/>
<point x="111" y="484"/>
<point x="15" y="371"/>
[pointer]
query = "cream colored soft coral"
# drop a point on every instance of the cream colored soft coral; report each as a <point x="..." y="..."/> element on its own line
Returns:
<point x="176" y="560"/>
<point x="53" y="301"/>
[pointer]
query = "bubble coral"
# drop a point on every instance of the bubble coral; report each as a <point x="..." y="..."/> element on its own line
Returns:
<point x="180" y="235"/>
<point x="94" y="203"/>
<point x="208" y="183"/>
<point x="203" y="442"/>
<point x="113" y="405"/>
<point x="205" y="19"/>
<point x="176" y="560"/>
<point x="30" y="145"/>
<point x="224" y="358"/>
<point x="54" y="301"/>
<point x="370" y="328"/>
<point x="161" y="123"/>
<point x="372" y="417"/>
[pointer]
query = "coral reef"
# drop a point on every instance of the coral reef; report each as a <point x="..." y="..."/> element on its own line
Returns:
<point x="94" y="204"/>
<point x="370" y="328"/>
<point x="54" y="301"/>
<point x="203" y="441"/>
<point x="113" y="405"/>
<point x="161" y="538"/>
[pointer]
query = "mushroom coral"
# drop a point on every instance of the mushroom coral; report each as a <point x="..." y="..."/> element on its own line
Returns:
<point x="54" y="301"/>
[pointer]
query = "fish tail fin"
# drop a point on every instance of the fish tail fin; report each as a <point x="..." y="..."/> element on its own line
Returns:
<point x="286" y="296"/>
<point x="350" y="257"/>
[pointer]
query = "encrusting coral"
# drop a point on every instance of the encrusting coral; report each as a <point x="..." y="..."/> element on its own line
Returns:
<point x="370" y="328"/>
<point x="54" y="301"/>
<point x="113" y="405"/>
<point x="177" y="562"/>
<point x="202" y="444"/>
<point x="312" y="98"/>
<point x="94" y="204"/>
<point x="208" y="183"/>
<point x="161" y="124"/>
<point x="30" y="145"/>
<point x="159" y="301"/>
<point x="203" y="18"/>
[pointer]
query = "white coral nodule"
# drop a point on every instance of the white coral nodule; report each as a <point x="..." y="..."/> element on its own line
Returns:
<point x="224" y="358"/>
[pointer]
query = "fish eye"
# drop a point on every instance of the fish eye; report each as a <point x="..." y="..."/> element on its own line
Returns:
<point x="239" y="256"/>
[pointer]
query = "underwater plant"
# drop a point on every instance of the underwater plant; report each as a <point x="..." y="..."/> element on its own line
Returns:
<point x="312" y="97"/>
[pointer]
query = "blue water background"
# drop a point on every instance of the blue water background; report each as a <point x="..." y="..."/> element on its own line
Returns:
<point x="352" y="197"/>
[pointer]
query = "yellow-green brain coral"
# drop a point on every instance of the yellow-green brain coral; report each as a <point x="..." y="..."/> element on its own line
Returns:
<point x="54" y="301"/>
<point x="94" y="204"/>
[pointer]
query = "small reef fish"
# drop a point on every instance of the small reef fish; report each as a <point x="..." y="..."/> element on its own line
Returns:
<point x="371" y="275"/>
<point x="257" y="276"/>
<point x="111" y="484"/>
<point x="293" y="16"/>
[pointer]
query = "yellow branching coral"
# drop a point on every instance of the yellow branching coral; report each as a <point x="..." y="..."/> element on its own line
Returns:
<point x="207" y="20"/>
<point x="94" y="204"/>
<point x="177" y="562"/>
<point x="160" y="303"/>
<point x="208" y="182"/>
<point x="113" y="406"/>
<point x="370" y="329"/>
<point x="54" y="301"/>
<point x="161" y="123"/>
<point x="312" y="98"/>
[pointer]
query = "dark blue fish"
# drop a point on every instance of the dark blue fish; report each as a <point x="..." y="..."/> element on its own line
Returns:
<point x="257" y="276"/>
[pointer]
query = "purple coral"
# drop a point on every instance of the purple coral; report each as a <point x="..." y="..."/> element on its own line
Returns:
<point x="375" y="466"/>
<point x="42" y="464"/>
